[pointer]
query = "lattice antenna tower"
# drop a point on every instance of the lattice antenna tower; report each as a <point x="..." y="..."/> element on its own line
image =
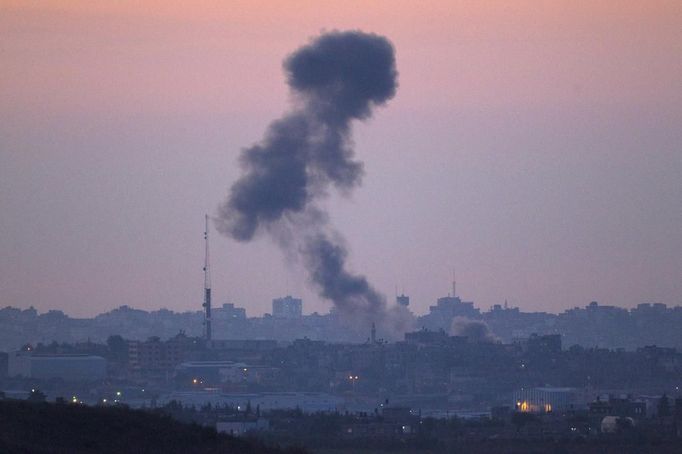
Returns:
<point x="207" y="288"/>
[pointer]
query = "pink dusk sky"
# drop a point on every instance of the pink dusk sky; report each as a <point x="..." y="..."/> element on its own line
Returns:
<point x="533" y="146"/>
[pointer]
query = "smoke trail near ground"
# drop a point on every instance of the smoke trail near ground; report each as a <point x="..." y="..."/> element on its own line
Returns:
<point x="336" y="78"/>
<point x="326" y="261"/>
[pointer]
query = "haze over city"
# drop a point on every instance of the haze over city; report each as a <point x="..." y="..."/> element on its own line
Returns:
<point x="533" y="148"/>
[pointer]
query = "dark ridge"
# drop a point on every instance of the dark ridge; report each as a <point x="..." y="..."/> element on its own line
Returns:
<point x="44" y="428"/>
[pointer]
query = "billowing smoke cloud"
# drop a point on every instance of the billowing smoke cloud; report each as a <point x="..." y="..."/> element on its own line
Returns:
<point x="476" y="331"/>
<point x="337" y="78"/>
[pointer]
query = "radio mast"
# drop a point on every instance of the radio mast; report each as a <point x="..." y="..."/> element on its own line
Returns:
<point x="207" y="289"/>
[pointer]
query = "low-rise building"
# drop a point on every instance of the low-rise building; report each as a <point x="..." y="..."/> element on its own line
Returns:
<point x="68" y="367"/>
<point x="546" y="400"/>
<point x="287" y="307"/>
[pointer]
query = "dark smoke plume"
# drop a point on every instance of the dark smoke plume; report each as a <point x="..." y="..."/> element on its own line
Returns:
<point x="337" y="78"/>
<point x="326" y="261"/>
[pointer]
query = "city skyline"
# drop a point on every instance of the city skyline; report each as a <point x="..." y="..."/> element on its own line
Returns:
<point x="535" y="149"/>
<point x="315" y="227"/>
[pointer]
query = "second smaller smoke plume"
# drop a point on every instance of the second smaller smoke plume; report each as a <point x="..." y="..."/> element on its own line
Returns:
<point x="476" y="331"/>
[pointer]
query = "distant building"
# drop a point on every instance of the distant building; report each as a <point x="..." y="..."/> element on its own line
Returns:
<point x="546" y="400"/>
<point x="3" y="364"/>
<point x="446" y="309"/>
<point x="287" y="307"/>
<point x="309" y="402"/>
<point x="547" y="344"/>
<point x="201" y="373"/>
<point x="402" y="300"/>
<point x="156" y="358"/>
<point x="242" y="426"/>
<point x="72" y="367"/>
<point x="248" y="374"/>
<point x="453" y="306"/>
<point x="228" y="312"/>
<point x="624" y="406"/>
<point x="426" y="337"/>
<point x="235" y="346"/>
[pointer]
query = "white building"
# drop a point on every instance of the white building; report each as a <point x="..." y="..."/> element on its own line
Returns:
<point x="546" y="400"/>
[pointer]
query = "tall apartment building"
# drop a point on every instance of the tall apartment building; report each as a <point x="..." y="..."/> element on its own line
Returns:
<point x="287" y="307"/>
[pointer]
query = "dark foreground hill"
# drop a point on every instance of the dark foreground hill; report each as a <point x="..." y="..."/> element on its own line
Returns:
<point x="44" y="428"/>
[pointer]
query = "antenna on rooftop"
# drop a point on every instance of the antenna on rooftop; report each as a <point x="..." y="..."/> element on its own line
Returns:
<point x="454" y="284"/>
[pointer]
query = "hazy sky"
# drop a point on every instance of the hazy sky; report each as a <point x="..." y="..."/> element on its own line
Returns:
<point x="535" y="147"/>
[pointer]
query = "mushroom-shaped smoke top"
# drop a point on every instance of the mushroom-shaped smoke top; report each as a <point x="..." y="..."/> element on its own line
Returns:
<point x="343" y="74"/>
<point x="337" y="77"/>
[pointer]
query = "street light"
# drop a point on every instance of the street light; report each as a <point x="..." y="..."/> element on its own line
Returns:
<point x="353" y="379"/>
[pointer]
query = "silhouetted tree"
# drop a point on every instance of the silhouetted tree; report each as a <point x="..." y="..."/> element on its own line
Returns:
<point x="37" y="396"/>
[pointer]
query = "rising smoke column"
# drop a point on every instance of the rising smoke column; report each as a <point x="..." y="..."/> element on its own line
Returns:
<point x="336" y="78"/>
